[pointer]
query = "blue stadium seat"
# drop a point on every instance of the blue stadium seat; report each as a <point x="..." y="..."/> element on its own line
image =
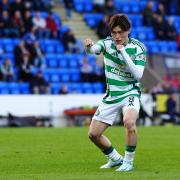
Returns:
<point x="91" y="59"/>
<point x="62" y="60"/>
<point x="52" y="61"/>
<point x="78" y="5"/>
<point x="142" y="5"/>
<point x="75" y="74"/>
<point x="64" y="75"/>
<point x="4" y="88"/>
<point x="13" y="85"/>
<point x="55" y="77"/>
<point x="125" y="7"/>
<point x="136" y="20"/>
<point x="51" y="75"/>
<point x="72" y="60"/>
<point x="87" y="88"/>
<point x="50" y="48"/>
<point x="64" y="29"/>
<point x="172" y="45"/>
<point x="88" y="6"/>
<point x="152" y="46"/>
<point x="92" y="20"/>
<point x="55" y="87"/>
<point x="6" y="40"/>
<point x="24" y="88"/>
<point x="135" y="7"/>
<point x="59" y="48"/>
<point x="76" y="88"/>
<point x="98" y="88"/>
<point x="8" y="48"/>
<point x="163" y="46"/>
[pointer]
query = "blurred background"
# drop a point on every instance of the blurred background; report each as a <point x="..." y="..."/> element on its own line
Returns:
<point x="46" y="79"/>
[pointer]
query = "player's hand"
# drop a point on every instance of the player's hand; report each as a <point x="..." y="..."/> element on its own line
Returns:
<point x="88" y="43"/>
<point x="119" y="47"/>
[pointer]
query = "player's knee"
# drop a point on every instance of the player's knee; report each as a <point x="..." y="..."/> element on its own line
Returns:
<point x="93" y="135"/>
<point x="129" y="123"/>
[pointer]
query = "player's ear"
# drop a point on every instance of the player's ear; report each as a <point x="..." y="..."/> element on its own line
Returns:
<point x="129" y="31"/>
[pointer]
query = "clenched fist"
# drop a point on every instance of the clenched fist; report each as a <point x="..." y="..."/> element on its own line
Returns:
<point x="88" y="43"/>
<point x="119" y="47"/>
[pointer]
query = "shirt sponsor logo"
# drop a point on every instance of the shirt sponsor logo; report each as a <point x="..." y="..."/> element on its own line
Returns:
<point x="120" y="73"/>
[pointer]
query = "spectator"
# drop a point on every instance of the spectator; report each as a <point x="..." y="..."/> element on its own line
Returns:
<point x="51" y="25"/>
<point x="171" y="108"/>
<point x="63" y="89"/>
<point x="98" y="73"/>
<point x="7" y="27"/>
<point x="68" y="6"/>
<point x="161" y="10"/>
<point x="110" y="8"/>
<point x="99" y="5"/>
<point x="39" y="5"/>
<point x="168" y="5"/>
<point x="176" y="81"/>
<point x="18" y="22"/>
<point x="71" y="44"/>
<point x="38" y="56"/>
<point x="25" y="70"/>
<point x="16" y="5"/>
<point x="19" y="52"/>
<point x="4" y="5"/>
<point x="7" y="71"/>
<point x="39" y="85"/>
<point x="148" y="14"/>
<point x="27" y="6"/>
<point x="158" y="88"/>
<point x="170" y="30"/>
<point x="40" y="25"/>
<point x="143" y="115"/>
<point x="160" y="26"/>
<point x="176" y="6"/>
<point x="28" y="24"/>
<point x="102" y="28"/>
<point x="86" y="70"/>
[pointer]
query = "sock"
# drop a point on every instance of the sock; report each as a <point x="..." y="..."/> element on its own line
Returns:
<point x="129" y="153"/>
<point x="112" y="153"/>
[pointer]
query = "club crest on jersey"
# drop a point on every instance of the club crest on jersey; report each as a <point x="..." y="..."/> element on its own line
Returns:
<point x="141" y="57"/>
<point x="133" y="57"/>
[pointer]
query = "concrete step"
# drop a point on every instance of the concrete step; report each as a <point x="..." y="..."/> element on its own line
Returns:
<point x="77" y="24"/>
<point x="82" y="38"/>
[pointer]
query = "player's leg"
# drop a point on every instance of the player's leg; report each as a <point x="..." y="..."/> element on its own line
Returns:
<point x="130" y="115"/>
<point x="96" y="130"/>
<point x="102" y="142"/>
<point x="103" y="118"/>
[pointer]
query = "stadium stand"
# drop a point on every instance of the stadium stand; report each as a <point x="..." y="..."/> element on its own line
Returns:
<point x="64" y="68"/>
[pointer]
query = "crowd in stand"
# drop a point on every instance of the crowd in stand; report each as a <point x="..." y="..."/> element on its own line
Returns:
<point x="23" y="19"/>
<point x="17" y="19"/>
<point x="164" y="28"/>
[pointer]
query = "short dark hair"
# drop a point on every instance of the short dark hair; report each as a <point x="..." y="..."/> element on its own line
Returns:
<point x="120" y="20"/>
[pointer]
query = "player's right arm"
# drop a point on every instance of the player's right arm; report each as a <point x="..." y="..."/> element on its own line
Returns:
<point x="90" y="47"/>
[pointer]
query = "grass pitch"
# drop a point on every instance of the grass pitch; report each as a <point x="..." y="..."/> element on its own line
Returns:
<point x="67" y="154"/>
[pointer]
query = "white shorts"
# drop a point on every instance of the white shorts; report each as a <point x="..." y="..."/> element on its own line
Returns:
<point x="109" y="113"/>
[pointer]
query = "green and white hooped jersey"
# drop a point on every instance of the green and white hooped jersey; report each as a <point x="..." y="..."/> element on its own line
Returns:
<point x="119" y="79"/>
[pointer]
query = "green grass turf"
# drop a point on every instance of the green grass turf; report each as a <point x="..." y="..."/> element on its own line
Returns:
<point x="50" y="154"/>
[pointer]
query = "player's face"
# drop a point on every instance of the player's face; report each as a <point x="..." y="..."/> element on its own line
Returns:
<point x="119" y="36"/>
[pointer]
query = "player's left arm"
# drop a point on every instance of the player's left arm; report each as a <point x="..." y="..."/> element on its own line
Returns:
<point x="136" y="67"/>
